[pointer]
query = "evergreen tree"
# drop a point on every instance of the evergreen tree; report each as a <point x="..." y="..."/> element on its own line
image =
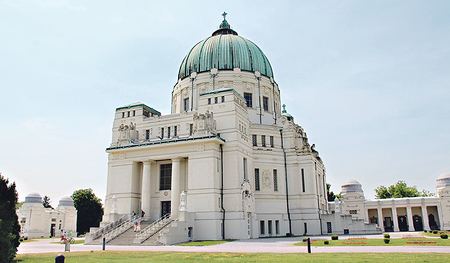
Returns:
<point x="46" y="202"/>
<point x="9" y="223"/>
<point x="89" y="209"/>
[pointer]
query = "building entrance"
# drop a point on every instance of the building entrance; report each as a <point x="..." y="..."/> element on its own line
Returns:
<point x="402" y="223"/>
<point x="418" y="226"/>
<point x="165" y="208"/>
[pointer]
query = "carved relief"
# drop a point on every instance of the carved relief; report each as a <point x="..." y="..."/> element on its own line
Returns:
<point x="266" y="180"/>
<point x="127" y="133"/>
<point x="248" y="198"/>
<point x="204" y="124"/>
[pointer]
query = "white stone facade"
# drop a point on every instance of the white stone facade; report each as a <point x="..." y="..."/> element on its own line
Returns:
<point x="37" y="221"/>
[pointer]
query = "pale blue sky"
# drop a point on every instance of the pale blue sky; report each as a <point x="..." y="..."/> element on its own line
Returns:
<point x="367" y="80"/>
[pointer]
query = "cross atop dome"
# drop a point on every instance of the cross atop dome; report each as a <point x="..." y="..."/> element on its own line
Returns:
<point x="224" y="23"/>
<point x="224" y="15"/>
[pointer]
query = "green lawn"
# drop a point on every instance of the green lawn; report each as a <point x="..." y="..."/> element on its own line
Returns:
<point x="206" y="242"/>
<point x="135" y="256"/>
<point x="380" y="242"/>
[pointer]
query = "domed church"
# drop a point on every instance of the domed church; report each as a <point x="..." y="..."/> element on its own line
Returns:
<point x="227" y="163"/>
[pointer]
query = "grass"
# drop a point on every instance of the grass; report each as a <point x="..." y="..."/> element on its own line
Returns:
<point x="147" y="256"/>
<point x="206" y="242"/>
<point x="379" y="242"/>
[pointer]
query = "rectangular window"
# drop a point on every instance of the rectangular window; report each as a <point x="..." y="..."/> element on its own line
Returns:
<point x="162" y="133"/>
<point x="271" y="142"/>
<point x="168" y="132"/>
<point x="275" y="180"/>
<point x="175" y="131"/>
<point x="223" y="98"/>
<point x="353" y="212"/>
<point x="305" y="225"/>
<point x="269" y="227"/>
<point x="255" y="140"/>
<point x="128" y="114"/>
<point x="191" y="129"/>
<point x="277" y="227"/>
<point x="147" y="134"/>
<point x="257" y="179"/>
<point x="245" y="169"/>
<point x="329" y="229"/>
<point x="165" y="178"/>
<point x="266" y="103"/>
<point x="262" y="227"/>
<point x="186" y="104"/>
<point x="303" y="180"/>
<point x="209" y="100"/>
<point x="216" y="100"/>
<point x="134" y="113"/>
<point x="248" y="99"/>
<point x="123" y="114"/>
<point x="23" y="220"/>
<point x="263" y="140"/>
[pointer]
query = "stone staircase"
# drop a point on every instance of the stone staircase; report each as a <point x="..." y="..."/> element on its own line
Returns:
<point x="127" y="238"/>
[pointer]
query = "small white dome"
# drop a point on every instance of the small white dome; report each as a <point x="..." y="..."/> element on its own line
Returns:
<point x="444" y="176"/>
<point x="33" y="198"/>
<point x="351" y="182"/>
<point x="443" y="180"/>
<point x="66" y="201"/>
<point x="351" y="186"/>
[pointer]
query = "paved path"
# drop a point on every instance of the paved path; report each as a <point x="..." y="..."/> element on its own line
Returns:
<point x="262" y="245"/>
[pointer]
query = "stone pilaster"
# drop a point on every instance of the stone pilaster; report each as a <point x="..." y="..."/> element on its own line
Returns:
<point x="175" y="189"/>
<point x="145" y="196"/>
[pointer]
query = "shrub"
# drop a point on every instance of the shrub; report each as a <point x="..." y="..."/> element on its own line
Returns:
<point x="288" y="234"/>
<point x="20" y="239"/>
<point x="424" y="231"/>
<point x="25" y="238"/>
<point x="305" y="239"/>
<point x="387" y="240"/>
<point x="435" y="231"/>
<point x="442" y="232"/>
<point x="334" y="237"/>
<point x="326" y="242"/>
<point x="387" y="236"/>
<point x="444" y="236"/>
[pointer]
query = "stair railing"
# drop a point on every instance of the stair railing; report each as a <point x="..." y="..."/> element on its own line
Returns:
<point x="152" y="229"/>
<point x="121" y="228"/>
<point x="108" y="227"/>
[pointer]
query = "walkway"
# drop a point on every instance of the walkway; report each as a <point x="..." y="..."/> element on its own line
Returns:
<point x="262" y="245"/>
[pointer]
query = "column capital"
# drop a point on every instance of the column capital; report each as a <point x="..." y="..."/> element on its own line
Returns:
<point x="146" y="161"/>
<point x="176" y="159"/>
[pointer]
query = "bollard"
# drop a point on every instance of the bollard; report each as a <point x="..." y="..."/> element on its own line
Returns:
<point x="309" y="245"/>
<point x="59" y="258"/>
<point x="67" y="246"/>
<point x="104" y="243"/>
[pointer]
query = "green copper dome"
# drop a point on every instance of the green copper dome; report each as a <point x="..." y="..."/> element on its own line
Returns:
<point x="225" y="50"/>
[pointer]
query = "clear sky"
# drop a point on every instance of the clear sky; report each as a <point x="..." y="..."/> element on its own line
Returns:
<point x="367" y="80"/>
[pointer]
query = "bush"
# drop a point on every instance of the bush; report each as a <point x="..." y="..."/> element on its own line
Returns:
<point x="20" y="239"/>
<point x="387" y="240"/>
<point x="434" y="231"/>
<point x="288" y="234"/>
<point x="326" y="242"/>
<point x="444" y="236"/>
<point x="387" y="236"/>
<point x="305" y="239"/>
<point x="25" y="238"/>
<point x="425" y="231"/>
<point x="334" y="237"/>
<point x="442" y="232"/>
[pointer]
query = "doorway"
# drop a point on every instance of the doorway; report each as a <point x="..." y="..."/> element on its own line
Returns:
<point x="402" y="224"/>
<point x="52" y="231"/>
<point x="418" y="226"/>
<point x="165" y="208"/>
<point x="388" y="226"/>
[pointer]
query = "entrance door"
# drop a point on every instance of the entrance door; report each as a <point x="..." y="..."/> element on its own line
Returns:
<point x="402" y="225"/>
<point x="388" y="227"/>
<point x="52" y="231"/>
<point x="165" y="208"/>
<point x="418" y="226"/>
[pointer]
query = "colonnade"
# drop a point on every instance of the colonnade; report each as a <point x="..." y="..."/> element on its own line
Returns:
<point x="175" y="187"/>
<point x="409" y="215"/>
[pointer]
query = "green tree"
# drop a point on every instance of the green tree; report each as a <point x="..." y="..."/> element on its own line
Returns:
<point x="89" y="209"/>
<point x="399" y="190"/>
<point x="9" y="223"/>
<point x="46" y="202"/>
<point x="331" y="196"/>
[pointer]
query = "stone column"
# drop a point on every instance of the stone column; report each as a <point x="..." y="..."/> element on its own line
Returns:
<point x="145" y="196"/>
<point x="380" y="218"/>
<point x="395" y="218"/>
<point x="440" y="217"/>
<point x="410" y="218"/>
<point x="175" y="188"/>
<point x="366" y="215"/>
<point x="426" y="224"/>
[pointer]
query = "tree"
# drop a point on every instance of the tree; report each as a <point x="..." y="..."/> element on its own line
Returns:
<point x="331" y="195"/>
<point x="46" y="202"/>
<point x="9" y="223"/>
<point x="399" y="190"/>
<point x="89" y="209"/>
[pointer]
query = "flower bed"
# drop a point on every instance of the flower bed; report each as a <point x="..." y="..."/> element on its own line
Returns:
<point x="420" y="242"/>
<point x="411" y="237"/>
<point x="351" y="243"/>
<point x="356" y="238"/>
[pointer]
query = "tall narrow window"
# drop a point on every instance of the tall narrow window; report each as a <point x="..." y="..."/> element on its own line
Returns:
<point x="277" y="227"/>
<point x="186" y="104"/>
<point x="209" y="100"/>
<point x="175" y="131"/>
<point x="303" y="180"/>
<point x="216" y="100"/>
<point x="162" y="133"/>
<point x="269" y="227"/>
<point x="168" y="132"/>
<point x="134" y="113"/>
<point x="263" y="140"/>
<point x="266" y="103"/>
<point x="255" y="140"/>
<point x="147" y="134"/>
<point x="245" y="169"/>
<point x="248" y="99"/>
<point x="271" y="142"/>
<point x="305" y="225"/>
<point x="165" y="177"/>
<point x="275" y="180"/>
<point x="128" y="114"/>
<point x="191" y="129"/>
<point x="262" y="227"/>
<point x="223" y="98"/>
<point x="257" y="179"/>
<point x="123" y="114"/>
